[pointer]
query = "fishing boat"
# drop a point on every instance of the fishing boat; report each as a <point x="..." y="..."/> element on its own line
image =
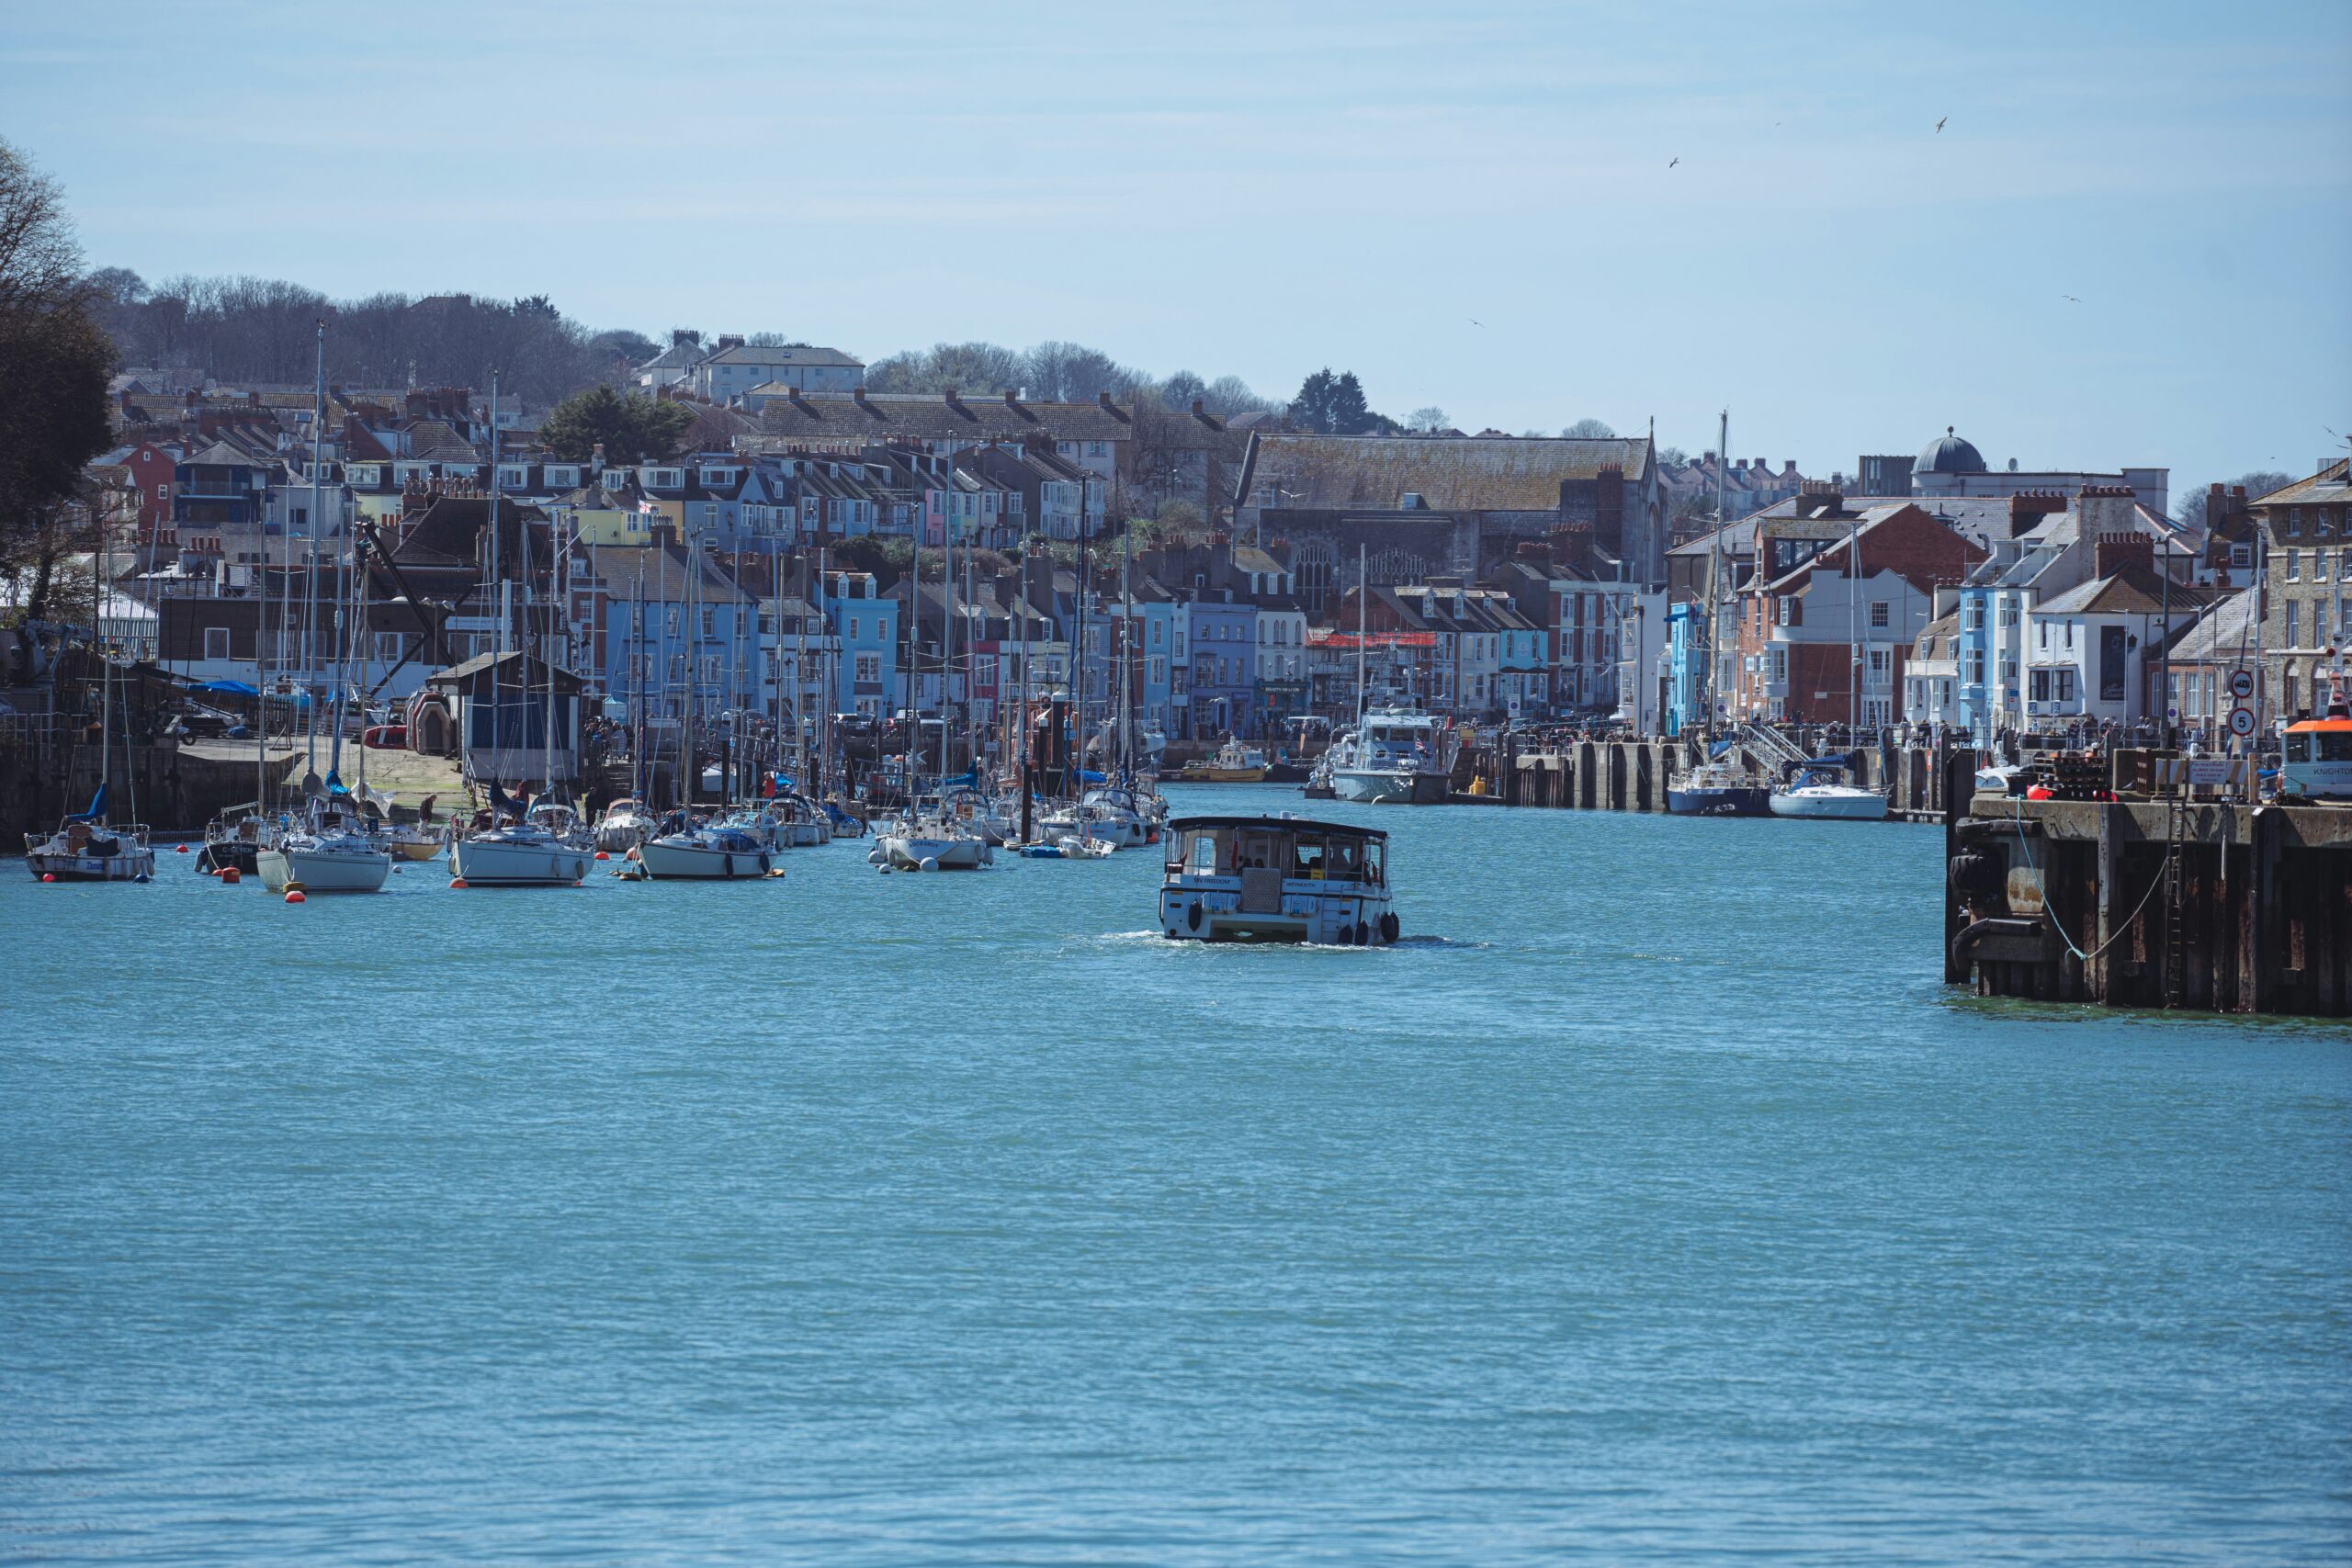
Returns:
<point x="1286" y="879"/>
<point x="549" y="847"/>
<point x="1820" y="789"/>
<point x="85" y="848"/>
<point x="1394" y="754"/>
<point x="738" y="847"/>
<point x="2315" y="757"/>
<point x="625" y="824"/>
<point x="1718" y="789"/>
<point x="327" y="850"/>
<point x="1234" y="763"/>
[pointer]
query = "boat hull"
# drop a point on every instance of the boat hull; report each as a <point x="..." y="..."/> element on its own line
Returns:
<point x="1860" y="805"/>
<point x="691" y="863"/>
<point x="317" y="872"/>
<point x="517" y="865"/>
<point x="1387" y="785"/>
<point x="131" y="865"/>
<point x="1720" y="801"/>
<point x="909" y="853"/>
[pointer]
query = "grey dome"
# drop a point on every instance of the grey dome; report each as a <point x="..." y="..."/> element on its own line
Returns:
<point x="1947" y="454"/>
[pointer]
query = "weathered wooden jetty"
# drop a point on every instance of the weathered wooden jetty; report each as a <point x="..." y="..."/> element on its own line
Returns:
<point x="1633" y="775"/>
<point x="2168" y="894"/>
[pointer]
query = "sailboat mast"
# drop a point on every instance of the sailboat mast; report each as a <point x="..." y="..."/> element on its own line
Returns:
<point x="1363" y="594"/>
<point x="311" y="571"/>
<point x="1713" y="621"/>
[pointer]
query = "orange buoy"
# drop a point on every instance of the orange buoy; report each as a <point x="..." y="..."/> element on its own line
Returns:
<point x="2038" y="792"/>
<point x="457" y="882"/>
<point x="601" y="855"/>
<point x="294" y="895"/>
<point x="231" y="875"/>
<point x="181" y="851"/>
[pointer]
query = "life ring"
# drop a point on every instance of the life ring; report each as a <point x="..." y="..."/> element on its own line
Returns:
<point x="1388" y="927"/>
<point x="1193" y="916"/>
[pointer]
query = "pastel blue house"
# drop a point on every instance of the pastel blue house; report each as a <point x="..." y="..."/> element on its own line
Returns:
<point x="867" y="622"/>
<point x="1223" y="636"/>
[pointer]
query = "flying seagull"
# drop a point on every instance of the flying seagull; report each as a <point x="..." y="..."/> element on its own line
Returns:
<point x="1673" y="163"/>
<point x="1477" y="322"/>
<point x="1939" y="125"/>
<point x="2069" y="297"/>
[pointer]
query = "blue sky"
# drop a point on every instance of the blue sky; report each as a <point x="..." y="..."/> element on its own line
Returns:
<point x="1262" y="189"/>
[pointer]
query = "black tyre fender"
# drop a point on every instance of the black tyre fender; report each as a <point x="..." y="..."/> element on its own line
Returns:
<point x="1388" y="927"/>
<point x="1192" y="914"/>
<point x="1363" y="934"/>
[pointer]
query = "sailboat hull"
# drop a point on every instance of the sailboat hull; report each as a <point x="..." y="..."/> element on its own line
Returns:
<point x="321" y="872"/>
<point x="668" y="861"/>
<point x="1720" y="801"/>
<point x="492" y="864"/>
<point x="131" y="865"/>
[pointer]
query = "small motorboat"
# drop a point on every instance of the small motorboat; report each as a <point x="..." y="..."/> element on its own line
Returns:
<point x="1234" y="763"/>
<point x="232" y="839"/>
<point x="1820" y="789"/>
<point x="1284" y="878"/>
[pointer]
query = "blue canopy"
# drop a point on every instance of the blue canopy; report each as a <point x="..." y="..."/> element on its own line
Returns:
<point x="228" y="688"/>
<point x="98" y="807"/>
<point x="1087" y="775"/>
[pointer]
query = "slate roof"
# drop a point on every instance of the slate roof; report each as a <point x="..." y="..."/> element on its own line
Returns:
<point x="2134" y="588"/>
<point x="786" y="354"/>
<point x="1474" y="474"/>
<point x="2331" y="483"/>
<point x="927" y="418"/>
<point x="2229" y="632"/>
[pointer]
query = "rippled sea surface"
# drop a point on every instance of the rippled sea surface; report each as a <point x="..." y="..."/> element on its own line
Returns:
<point x="1652" y="1201"/>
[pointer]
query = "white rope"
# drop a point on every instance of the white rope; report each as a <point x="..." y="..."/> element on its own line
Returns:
<point x="2017" y="815"/>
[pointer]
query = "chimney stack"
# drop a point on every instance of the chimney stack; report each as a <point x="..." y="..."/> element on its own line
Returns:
<point x="2111" y="551"/>
<point x="2028" y="507"/>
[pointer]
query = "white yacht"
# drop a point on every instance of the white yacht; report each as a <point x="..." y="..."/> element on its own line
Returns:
<point x="85" y="848"/>
<point x="931" y="840"/>
<point x="327" y="852"/>
<point x="743" y="845"/>
<point x="1276" y="879"/>
<point x="1820" y="789"/>
<point x="1394" y="754"/>
<point x="549" y="848"/>
<point x="626" y="823"/>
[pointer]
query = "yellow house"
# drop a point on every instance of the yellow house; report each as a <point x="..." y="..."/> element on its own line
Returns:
<point x="613" y="527"/>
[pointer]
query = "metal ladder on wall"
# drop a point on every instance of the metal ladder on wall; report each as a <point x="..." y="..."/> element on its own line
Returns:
<point x="2175" y="967"/>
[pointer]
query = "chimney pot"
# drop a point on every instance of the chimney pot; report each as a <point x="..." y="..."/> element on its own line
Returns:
<point x="1103" y="398"/>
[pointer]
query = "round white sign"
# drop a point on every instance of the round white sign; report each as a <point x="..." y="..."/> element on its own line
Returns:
<point x="2242" y="683"/>
<point x="2241" y="721"/>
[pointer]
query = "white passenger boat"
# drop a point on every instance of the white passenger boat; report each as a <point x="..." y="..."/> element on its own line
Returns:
<point x="1276" y="879"/>
<point x="326" y="851"/>
<point x="1395" y="754"/>
<point x="548" y="849"/>
<point x="1820" y="790"/>
<point x="743" y="846"/>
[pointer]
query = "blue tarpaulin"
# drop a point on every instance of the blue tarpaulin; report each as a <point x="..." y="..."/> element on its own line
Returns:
<point x="229" y="688"/>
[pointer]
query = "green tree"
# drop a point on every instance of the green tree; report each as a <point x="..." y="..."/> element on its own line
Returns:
<point x="1334" y="405"/>
<point x="54" y="361"/>
<point x="632" y="428"/>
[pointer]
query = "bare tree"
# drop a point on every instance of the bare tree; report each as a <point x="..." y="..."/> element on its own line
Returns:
<point x="1428" y="420"/>
<point x="1589" y="430"/>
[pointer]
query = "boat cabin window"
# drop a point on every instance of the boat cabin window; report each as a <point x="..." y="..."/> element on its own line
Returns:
<point x="2321" y="746"/>
<point x="1257" y="849"/>
<point x="1307" y="860"/>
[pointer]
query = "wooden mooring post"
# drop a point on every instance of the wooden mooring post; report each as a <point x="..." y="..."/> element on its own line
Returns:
<point x="2192" y="903"/>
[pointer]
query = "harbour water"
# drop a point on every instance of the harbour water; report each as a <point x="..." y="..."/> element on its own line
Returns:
<point x="1653" y="1200"/>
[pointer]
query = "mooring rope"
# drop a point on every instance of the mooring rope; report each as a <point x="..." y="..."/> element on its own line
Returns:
<point x="2016" y="814"/>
